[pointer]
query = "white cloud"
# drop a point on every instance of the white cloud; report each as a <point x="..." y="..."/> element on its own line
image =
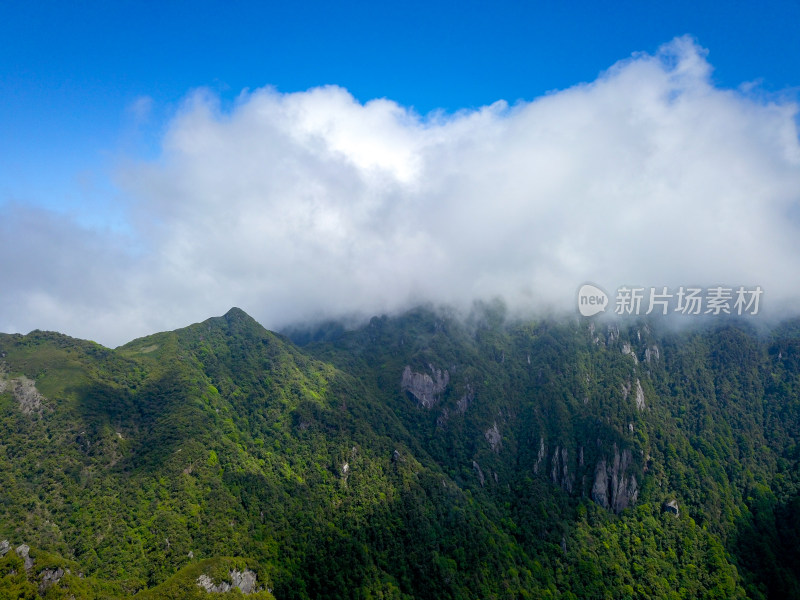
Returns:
<point x="297" y="205"/>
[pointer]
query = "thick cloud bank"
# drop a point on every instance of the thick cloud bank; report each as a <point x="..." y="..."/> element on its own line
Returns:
<point x="311" y="204"/>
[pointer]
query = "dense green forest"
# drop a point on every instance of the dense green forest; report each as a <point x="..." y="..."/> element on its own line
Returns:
<point x="419" y="456"/>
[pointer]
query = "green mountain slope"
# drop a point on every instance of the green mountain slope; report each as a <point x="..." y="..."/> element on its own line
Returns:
<point x="421" y="456"/>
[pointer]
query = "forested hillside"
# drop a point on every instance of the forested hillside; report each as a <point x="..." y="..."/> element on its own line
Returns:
<point x="417" y="456"/>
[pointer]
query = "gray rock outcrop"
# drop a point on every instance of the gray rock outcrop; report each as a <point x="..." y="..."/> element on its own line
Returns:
<point x="465" y="400"/>
<point x="24" y="391"/>
<point x="424" y="388"/>
<point x="559" y="473"/>
<point x="477" y="468"/>
<point x="540" y="456"/>
<point x="613" y="488"/>
<point x="29" y="398"/>
<point x="493" y="436"/>
<point x="639" y="396"/>
<point x="245" y="580"/>
<point x="626" y="349"/>
<point x="49" y="577"/>
<point x="652" y="353"/>
<point x="23" y="551"/>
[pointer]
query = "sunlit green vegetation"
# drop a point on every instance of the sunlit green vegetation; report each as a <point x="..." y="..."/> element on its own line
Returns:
<point x="223" y="445"/>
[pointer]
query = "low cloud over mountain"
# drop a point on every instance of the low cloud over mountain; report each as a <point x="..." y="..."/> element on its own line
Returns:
<point x="312" y="204"/>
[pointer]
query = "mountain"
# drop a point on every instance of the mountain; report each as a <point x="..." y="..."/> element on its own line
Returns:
<point x="419" y="456"/>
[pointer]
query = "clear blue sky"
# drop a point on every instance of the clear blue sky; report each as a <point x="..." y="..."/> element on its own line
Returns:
<point x="69" y="71"/>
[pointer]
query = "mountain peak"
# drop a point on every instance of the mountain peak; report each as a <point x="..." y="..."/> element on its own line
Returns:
<point x="236" y="321"/>
<point x="237" y="314"/>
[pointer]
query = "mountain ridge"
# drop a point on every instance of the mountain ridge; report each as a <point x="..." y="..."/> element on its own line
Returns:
<point x="416" y="456"/>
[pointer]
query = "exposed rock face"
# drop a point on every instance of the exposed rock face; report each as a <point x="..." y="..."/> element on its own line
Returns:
<point x="613" y="489"/>
<point x="671" y="507"/>
<point x="626" y="349"/>
<point x="652" y="353"/>
<point x="23" y="552"/>
<point x="423" y="387"/>
<point x="559" y="473"/>
<point x="540" y="456"/>
<point x="493" y="436"/>
<point x="566" y="478"/>
<point x="477" y="468"/>
<point x="25" y="392"/>
<point x="244" y="580"/>
<point x="595" y="338"/>
<point x="49" y="577"/>
<point x="626" y="390"/>
<point x="639" y="396"/>
<point x="465" y="400"/>
<point x="205" y="582"/>
<point x="461" y="406"/>
<point x="600" y="487"/>
<point x="554" y="470"/>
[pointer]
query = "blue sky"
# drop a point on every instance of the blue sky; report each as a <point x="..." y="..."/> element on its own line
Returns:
<point x="88" y="89"/>
<point x="71" y="72"/>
